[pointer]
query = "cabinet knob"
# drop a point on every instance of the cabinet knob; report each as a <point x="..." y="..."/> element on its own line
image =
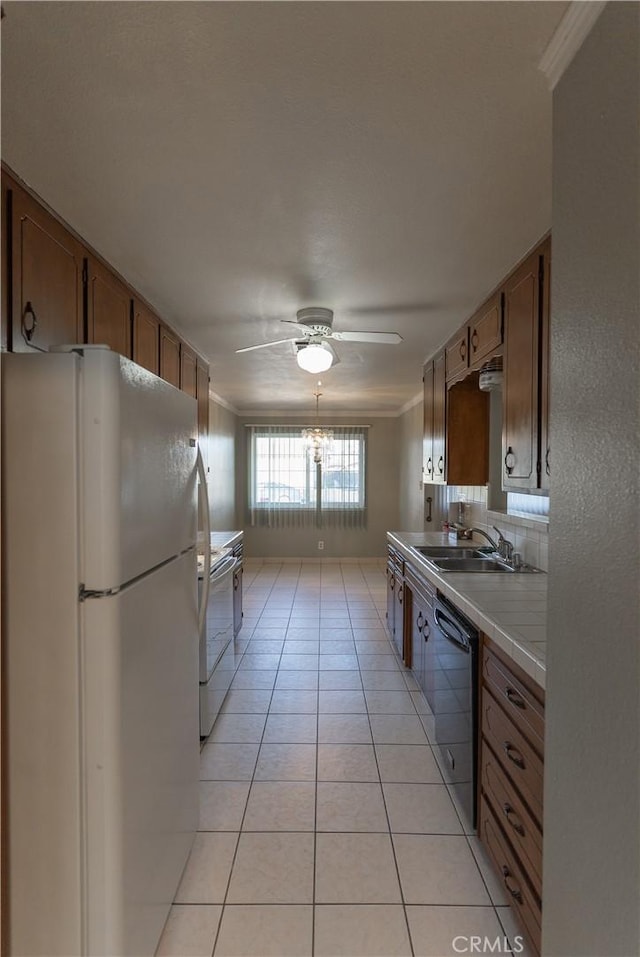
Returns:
<point x="510" y="460"/>
<point x="28" y="327"/>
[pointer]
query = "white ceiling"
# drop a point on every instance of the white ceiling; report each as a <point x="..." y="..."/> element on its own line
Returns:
<point x="238" y="161"/>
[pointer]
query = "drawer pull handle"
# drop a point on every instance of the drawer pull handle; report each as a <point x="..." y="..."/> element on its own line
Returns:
<point x="420" y="621"/>
<point x="463" y="350"/>
<point x="474" y="340"/>
<point x="515" y="698"/>
<point x="514" y="755"/>
<point x="399" y="595"/>
<point x="426" y="631"/>
<point x="441" y="465"/>
<point x="513" y="818"/>
<point x="515" y="892"/>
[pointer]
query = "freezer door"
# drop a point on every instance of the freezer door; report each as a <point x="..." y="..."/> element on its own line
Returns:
<point x="141" y="755"/>
<point x="138" y="460"/>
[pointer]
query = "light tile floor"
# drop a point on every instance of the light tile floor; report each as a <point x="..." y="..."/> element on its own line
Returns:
<point x="325" y="825"/>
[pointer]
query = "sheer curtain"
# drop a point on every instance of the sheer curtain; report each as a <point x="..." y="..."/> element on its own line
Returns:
<point x="286" y="488"/>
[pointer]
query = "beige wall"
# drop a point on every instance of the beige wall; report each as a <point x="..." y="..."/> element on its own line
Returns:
<point x="383" y="494"/>
<point x="222" y="471"/>
<point x="411" y="491"/>
<point x="592" y="746"/>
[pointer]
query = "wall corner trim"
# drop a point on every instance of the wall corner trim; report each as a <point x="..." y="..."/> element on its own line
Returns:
<point x="568" y="38"/>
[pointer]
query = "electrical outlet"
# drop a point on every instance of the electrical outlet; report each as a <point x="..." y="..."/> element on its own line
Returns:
<point x="320" y="545"/>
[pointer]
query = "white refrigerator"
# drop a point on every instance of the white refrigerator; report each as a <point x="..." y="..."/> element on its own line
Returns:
<point x="101" y="650"/>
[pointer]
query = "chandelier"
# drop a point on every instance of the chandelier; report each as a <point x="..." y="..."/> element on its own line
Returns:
<point x="317" y="439"/>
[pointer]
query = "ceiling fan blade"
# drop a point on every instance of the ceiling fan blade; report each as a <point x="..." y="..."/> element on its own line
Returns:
<point x="383" y="337"/>
<point x="264" y="345"/>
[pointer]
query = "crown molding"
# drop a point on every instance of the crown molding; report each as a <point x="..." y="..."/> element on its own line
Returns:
<point x="214" y="397"/>
<point x="419" y="397"/>
<point x="568" y="38"/>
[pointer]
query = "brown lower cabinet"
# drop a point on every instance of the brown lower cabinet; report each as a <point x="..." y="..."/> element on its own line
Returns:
<point x="511" y="782"/>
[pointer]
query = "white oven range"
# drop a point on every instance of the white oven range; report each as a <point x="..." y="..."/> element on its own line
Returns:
<point x="217" y="652"/>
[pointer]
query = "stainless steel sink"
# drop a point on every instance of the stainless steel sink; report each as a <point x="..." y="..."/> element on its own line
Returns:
<point x="449" y="551"/>
<point x="479" y="564"/>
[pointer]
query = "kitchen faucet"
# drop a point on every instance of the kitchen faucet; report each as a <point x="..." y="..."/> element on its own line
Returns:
<point x="481" y="531"/>
<point x="503" y="546"/>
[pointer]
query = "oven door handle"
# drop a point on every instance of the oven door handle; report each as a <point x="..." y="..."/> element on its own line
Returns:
<point x="456" y="637"/>
<point x="227" y="565"/>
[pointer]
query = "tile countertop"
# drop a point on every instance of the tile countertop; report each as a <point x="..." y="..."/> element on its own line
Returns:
<point x="511" y="608"/>
<point x="225" y="539"/>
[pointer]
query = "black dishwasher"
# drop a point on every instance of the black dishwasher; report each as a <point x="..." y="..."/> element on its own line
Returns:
<point x="451" y="672"/>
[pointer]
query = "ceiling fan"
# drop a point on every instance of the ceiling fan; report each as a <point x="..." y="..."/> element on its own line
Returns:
<point x="313" y="351"/>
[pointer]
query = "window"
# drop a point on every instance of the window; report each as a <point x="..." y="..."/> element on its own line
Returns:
<point x="287" y="487"/>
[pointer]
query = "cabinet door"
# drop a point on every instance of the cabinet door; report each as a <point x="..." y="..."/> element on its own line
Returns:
<point x="545" y="447"/>
<point x="188" y="373"/>
<point x="457" y="354"/>
<point x="169" y="356"/>
<point x="520" y="419"/>
<point x="439" y="419"/>
<point x="146" y="338"/>
<point x="109" y="308"/>
<point x="202" y="398"/>
<point x="467" y="433"/>
<point x="46" y="277"/>
<point x="427" y="433"/>
<point x="391" y="597"/>
<point x="485" y="329"/>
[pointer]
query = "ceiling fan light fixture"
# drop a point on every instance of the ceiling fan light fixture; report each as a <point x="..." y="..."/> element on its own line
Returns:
<point x="314" y="358"/>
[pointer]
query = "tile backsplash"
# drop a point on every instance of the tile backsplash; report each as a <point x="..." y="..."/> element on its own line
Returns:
<point x="528" y="530"/>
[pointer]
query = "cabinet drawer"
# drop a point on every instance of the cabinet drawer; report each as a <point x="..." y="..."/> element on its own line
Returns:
<point x="524" y="710"/>
<point x="523" y="899"/>
<point x="518" y="759"/>
<point x="518" y="824"/>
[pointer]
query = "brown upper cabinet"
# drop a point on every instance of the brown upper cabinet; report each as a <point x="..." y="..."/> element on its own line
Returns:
<point x="526" y="316"/>
<point x="479" y="339"/>
<point x="169" y="356"/>
<point x="486" y="330"/>
<point x="427" y="424"/>
<point x="545" y="446"/>
<point x="435" y="398"/>
<point x="46" y="269"/>
<point x="457" y="354"/>
<point x="439" y="419"/>
<point x="109" y="308"/>
<point x="202" y="397"/>
<point x="456" y="428"/>
<point x="146" y="337"/>
<point x="188" y="372"/>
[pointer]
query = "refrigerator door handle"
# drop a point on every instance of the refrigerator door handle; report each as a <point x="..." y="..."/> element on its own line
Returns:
<point x="204" y="504"/>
